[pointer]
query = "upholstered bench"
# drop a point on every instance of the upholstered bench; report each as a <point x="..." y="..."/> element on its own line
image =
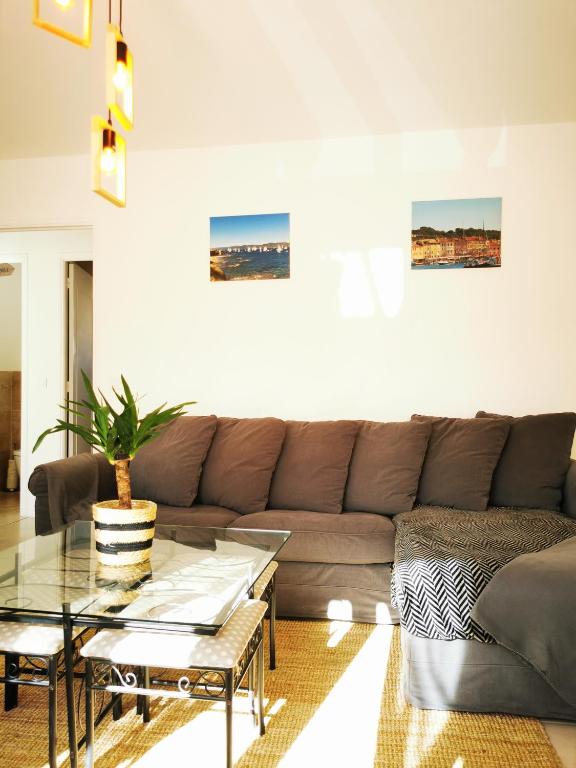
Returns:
<point x="217" y="662"/>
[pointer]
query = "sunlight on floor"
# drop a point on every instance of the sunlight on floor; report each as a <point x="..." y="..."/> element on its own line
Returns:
<point x="337" y="630"/>
<point x="346" y="723"/>
<point x="203" y="737"/>
<point x="423" y="731"/>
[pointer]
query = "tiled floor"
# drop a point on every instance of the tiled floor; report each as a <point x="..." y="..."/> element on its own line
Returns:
<point x="13" y="528"/>
<point x="563" y="738"/>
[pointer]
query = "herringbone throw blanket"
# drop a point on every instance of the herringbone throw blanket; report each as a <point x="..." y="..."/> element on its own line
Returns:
<point x="445" y="557"/>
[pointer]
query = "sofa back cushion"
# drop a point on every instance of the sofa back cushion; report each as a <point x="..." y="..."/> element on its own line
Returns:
<point x="313" y="466"/>
<point x="167" y="470"/>
<point x="385" y="466"/>
<point x="238" y="469"/>
<point x="534" y="462"/>
<point x="460" y="461"/>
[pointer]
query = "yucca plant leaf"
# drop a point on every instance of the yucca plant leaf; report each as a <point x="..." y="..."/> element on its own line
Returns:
<point x="117" y="433"/>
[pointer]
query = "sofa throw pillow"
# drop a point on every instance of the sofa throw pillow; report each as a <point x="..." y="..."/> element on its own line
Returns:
<point x="167" y="470"/>
<point x="460" y="461"/>
<point x="238" y="469"/>
<point x="385" y="468"/>
<point x="313" y="466"/>
<point x="534" y="462"/>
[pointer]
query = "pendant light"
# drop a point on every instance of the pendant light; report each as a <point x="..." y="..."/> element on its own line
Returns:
<point x="108" y="161"/>
<point x="119" y="73"/>
<point x="70" y="19"/>
<point x="108" y="145"/>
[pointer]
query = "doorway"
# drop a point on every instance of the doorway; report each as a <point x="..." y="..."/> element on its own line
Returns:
<point x="10" y="388"/>
<point x="47" y="259"/>
<point x="79" y="330"/>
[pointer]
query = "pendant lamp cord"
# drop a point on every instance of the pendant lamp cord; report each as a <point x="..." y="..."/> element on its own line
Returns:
<point x="120" y="14"/>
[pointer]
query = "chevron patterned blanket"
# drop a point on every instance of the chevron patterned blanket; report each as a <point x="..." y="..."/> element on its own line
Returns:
<point x="445" y="557"/>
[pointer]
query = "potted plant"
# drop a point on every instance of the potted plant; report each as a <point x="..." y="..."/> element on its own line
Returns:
<point x="124" y="526"/>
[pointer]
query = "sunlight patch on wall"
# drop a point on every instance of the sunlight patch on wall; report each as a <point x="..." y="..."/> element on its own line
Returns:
<point x="387" y="271"/>
<point x="370" y="281"/>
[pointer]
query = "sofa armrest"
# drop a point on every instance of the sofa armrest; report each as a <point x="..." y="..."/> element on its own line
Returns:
<point x="66" y="489"/>
<point x="569" y="493"/>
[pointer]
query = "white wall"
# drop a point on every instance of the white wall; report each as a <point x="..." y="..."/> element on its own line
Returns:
<point x="10" y="320"/>
<point x="354" y="333"/>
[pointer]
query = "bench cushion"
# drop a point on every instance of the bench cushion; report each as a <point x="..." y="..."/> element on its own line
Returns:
<point x="352" y="537"/>
<point x="177" y="650"/>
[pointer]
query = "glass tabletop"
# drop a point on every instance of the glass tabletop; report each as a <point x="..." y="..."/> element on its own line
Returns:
<point x="194" y="579"/>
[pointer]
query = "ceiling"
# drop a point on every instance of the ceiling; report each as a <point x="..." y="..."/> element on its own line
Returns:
<point x="213" y="72"/>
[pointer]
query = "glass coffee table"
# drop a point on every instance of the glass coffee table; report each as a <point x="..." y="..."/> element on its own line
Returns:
<point x="194" y="581"/>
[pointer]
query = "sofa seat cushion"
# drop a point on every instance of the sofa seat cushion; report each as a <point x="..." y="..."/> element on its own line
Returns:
<point x="460" y="461"/>
<point x="358" y="538"/>
<point x="313" y="466"/>
<point x="198" y="514"/>
<point x="239" y="466"/>
<point x="386" y="465"/>
<point x="534" y="462"/>
<point x="167" y="470"/>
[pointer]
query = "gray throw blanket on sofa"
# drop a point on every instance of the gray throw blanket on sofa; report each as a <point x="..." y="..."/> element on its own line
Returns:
<point x="446" y="557"/>
<point x="529" y="607"/>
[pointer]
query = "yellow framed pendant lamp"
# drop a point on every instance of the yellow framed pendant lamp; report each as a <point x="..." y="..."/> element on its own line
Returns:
<point x="70" y="19"/>
<point x="108" y="162"/>
<point x="119" y="78"/>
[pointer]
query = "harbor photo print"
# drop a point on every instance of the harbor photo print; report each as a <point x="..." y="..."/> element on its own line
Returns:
<point x="253" y="247"/>
<point x="456" y="234"/>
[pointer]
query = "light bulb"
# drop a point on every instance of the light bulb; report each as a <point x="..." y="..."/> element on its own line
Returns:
<point x="120" y="77"/>
<point x="108" y="160"/>
<point x="65" y="4"/>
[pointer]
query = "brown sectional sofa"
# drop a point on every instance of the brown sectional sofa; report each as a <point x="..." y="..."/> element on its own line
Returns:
<point x="336" y="485"/>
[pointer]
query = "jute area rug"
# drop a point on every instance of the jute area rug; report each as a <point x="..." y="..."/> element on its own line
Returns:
<point x="334" y="701"/>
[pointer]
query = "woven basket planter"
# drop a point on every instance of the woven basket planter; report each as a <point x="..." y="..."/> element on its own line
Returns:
<point x="124" y="536"/>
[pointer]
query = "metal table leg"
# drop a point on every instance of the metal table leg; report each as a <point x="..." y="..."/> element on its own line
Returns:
<point x="69" y="673"/>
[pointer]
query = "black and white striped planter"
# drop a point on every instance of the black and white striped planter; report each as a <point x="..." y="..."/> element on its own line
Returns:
<point x="124" y="536"/>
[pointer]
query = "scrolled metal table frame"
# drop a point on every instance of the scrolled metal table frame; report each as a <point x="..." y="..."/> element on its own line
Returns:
<point x="205" y="683"/>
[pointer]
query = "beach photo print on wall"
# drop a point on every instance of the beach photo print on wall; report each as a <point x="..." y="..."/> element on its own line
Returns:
<point x="252" y="247"/>
<point x="456" y="234"/>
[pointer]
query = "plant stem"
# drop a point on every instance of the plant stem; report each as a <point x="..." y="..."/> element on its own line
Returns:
<point x="122" y="469"/>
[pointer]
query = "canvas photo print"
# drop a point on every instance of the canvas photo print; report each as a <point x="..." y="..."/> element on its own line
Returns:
<point x="254" y="247"/>
<point x="456" y="234"/>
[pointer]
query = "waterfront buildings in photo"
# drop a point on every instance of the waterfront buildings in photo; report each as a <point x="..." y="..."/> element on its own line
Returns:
<point x="252" y="247"/>
<point x="456" y="233"/>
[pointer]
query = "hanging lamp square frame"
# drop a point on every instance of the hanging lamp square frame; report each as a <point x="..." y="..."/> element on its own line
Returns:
<point x="84" y="40"/>
<point x="116" y="192"/>
<point x="120" y="102"/>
